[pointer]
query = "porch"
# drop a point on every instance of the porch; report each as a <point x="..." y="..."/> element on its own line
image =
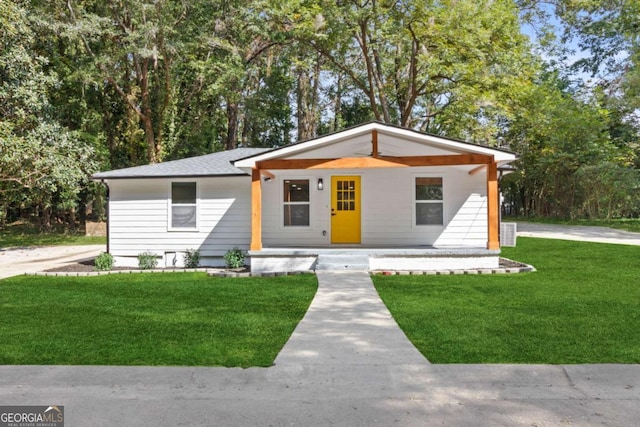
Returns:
<point x="372" y="258"/>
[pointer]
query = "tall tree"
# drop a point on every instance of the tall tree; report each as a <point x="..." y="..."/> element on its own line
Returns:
<point x="132" y="45"/>
<point x="416" y="59"/>
<point x="42" y="164"/>
<point x="565" y="143"/>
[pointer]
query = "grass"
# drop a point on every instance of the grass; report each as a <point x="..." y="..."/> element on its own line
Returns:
<point x="149" y="319"/>
<point x="582" y="306"/>
<point x="24" y="235"/>
<point x="628" y="224"/>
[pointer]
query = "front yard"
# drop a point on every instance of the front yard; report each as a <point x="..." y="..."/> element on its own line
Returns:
<point x="582" y="306"/>
<point x="149" y="319"/>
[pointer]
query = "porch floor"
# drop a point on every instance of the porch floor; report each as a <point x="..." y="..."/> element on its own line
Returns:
<point x="375" y="250"/>
<point x="372" y="258"/>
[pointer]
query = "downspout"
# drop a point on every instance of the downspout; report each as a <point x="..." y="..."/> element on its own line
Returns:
<point x="107" y="212"/>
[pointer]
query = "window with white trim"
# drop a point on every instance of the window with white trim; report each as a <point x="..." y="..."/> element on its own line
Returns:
<point x="184" y="205"/>
<point x="296" y="202"/>
<point x="429" y="202"/>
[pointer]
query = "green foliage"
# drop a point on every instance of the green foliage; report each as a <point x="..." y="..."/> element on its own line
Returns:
<point x="43" y="163"/>
<point x="569" y="165"/>
<point x="581" y="306"/>
<point x="234" y="258"/>
<point x="173" y="319"/>
<point x="192" y="258"/>
<point x="610" y="191"/>
<point x="147" y="260"/>
<point x="207" y="75"/>
<point x="103" y="262"/>
<point x="441" y="66"/>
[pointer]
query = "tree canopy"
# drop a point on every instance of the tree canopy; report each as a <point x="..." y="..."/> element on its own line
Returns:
<point x="101" y="84"/>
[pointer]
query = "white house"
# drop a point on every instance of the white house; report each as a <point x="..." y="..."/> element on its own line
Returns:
<point x="374" y="196"/>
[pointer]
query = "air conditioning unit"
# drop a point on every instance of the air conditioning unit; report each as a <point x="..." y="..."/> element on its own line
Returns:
<point x="508" y="233"/>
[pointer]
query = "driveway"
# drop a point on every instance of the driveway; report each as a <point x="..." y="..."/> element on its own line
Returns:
<point x="579" y="233"/>
<point x="14" y="262"/>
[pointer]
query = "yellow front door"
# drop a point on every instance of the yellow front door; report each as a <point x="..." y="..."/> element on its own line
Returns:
<point x="345" y="209"/>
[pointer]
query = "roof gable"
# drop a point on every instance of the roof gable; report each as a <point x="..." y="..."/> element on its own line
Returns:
<point x="391" y="141"/>
<point x="214" y="164"/>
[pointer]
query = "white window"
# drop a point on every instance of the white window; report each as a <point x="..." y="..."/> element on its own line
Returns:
<point x="296" y="202"/>
<point x="429" y="203"/>
<point x="184" y="206"/>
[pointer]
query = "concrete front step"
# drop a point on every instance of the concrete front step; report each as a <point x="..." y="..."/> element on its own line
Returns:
<point x="342" y="262"/>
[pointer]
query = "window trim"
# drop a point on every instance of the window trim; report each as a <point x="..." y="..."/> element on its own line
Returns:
<point x="170" y="205"/>
<point x="283" y="204"/>
<point x="415" y="201"/>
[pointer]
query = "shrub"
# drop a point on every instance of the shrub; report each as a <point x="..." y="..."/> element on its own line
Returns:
<point x="234" y="258"/>
<point x="147" y="260"/>
<point x="103" y="262"/>
<point x="192" y="258"/>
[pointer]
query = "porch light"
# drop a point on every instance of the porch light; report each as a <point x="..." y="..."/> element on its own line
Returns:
<point x="320" y="184"/>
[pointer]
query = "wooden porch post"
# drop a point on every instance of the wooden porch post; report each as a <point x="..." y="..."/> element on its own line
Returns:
<point x="493" y="241"/>
<point x="256" y="210"/>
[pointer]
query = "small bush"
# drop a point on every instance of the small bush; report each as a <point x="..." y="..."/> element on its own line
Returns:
<point x="103" y="262"/>
<point x="234" y="258"/>
<point x="147" y="260"/>
<point x="192" y="258"/>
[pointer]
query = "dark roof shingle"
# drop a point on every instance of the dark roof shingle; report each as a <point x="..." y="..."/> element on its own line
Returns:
<point x="214" y="164"/>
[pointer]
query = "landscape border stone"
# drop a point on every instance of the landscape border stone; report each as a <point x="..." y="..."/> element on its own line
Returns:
<point x="521" y="268"/>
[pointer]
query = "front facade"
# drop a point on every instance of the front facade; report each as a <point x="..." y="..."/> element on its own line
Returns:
<point x="405" y="199"/>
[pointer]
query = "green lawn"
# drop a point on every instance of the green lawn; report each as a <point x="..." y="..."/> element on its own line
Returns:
<point x="24" y="235"/>
<point x="581" y="306"/>
<point x="150" y="319"/>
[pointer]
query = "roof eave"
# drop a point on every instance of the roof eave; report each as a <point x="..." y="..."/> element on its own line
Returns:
<point x="96" y="177"/>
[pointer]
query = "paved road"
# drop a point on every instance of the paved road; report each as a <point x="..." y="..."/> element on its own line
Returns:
<point x="339" y="372"/>
<point x="14" y="262"/>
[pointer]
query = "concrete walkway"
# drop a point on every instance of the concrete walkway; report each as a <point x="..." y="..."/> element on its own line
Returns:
<point x="348" y="324"/>
<point x="14" y="262"/>
<point x="347" y="364"/>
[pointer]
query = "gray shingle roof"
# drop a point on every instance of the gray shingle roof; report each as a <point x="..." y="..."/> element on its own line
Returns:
<point x="215" y="164"/>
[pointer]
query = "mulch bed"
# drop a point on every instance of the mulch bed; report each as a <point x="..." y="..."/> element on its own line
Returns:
<point x="88" y="266"/>
<point x="79" y="267"/>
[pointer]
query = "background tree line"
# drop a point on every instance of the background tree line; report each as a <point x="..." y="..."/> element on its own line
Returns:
<point x="89" y="85"/>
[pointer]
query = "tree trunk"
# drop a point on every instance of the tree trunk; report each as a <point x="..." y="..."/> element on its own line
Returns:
<point x="307" y="88"/>
<point x="232" y="126"/>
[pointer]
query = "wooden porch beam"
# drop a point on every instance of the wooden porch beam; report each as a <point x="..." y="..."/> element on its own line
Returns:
<point x="267" y="174"/>
<point x="374" y="143"/>
<point x="442" y="160"/>
<point x="256" y="211"/>
<point x="290" y="163"/>
<point x="493" y="216"/>
<point x="477" y="169"/>
<point x="379" y="162"/>
<point x="358" y="163"/>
